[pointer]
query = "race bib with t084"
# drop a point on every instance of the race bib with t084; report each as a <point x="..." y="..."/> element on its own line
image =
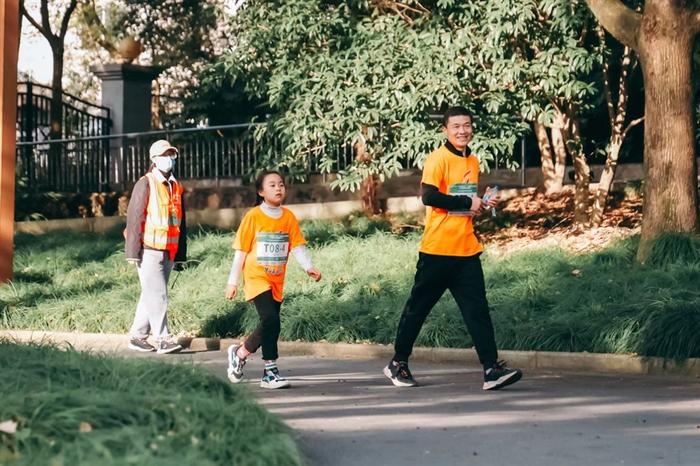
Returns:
<point x="462" y="189"/>
<point x="272" y="248"/>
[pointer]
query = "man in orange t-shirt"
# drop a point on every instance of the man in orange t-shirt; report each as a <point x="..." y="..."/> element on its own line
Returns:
<point x="449" y="255"/>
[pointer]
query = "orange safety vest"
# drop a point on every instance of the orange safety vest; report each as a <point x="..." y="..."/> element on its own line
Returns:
<point x="163" y="216"/>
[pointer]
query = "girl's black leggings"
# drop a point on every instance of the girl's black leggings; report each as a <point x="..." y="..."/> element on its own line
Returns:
<point x="268" y="331"/>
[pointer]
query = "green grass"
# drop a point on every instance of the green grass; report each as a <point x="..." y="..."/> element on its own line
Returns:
<point x="610" y="304"/>
<point x="136" y="412"/>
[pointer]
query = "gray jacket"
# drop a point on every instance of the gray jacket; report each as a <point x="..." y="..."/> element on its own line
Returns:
<point x="136" y="218"/>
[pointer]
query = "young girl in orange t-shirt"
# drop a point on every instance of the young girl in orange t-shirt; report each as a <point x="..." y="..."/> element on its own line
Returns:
<point x="268" y="233"/>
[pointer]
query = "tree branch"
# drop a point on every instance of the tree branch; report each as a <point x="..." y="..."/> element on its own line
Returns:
<point x="403" y="10"/>
<point x="33" y="22"/>
<point x="66" y="18"/>
<point x="45" y="23"/>
<point x="619" y="20"/>
<point x="632" y="124"/>
<point x="95" y="28"/>
<point x="419" y="8"/>
<point x="606" y="76"/>
<point x="626" y="65"/>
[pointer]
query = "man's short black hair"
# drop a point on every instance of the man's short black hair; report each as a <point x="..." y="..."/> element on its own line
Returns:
<point x="455" y="111"/>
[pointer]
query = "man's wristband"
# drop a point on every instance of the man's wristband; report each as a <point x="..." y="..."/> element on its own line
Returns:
<point x="468" y="202"/>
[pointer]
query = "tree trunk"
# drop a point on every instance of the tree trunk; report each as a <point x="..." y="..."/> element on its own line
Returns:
<point x="369" y="189"/>
<point x="56" y="115"/>
<point x="606" y="178"/>
<point x="547" y="157"/>
<point x="582" y="195"/>
<point x="57" y="94"/>
<point x="617" y="137"/>
<point x="670" y="185"/>
<point x="370" y="195"/>
<point x="559" y="137"/>
<point x="156" y="107"/>
<point x="663" y="37"/>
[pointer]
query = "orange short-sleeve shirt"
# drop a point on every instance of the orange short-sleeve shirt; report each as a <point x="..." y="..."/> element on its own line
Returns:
<point x="450" y="233"/>
<point x="268" y="242"/>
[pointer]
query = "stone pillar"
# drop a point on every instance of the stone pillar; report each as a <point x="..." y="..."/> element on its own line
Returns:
<point x="126" y="91"/>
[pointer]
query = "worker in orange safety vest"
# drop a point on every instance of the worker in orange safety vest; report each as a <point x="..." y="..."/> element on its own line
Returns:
<point x="156" y="243"/>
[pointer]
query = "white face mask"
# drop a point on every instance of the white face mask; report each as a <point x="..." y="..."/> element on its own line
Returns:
<point x="164" y="164"/>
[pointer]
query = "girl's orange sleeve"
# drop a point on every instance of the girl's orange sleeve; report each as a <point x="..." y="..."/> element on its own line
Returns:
<point x="296" y="238"/>
<point x="245" y="234"/>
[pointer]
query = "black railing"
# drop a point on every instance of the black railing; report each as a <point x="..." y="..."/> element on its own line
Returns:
<point x="116" y="161"/>
<point x="79" y="118"/>
<point x="77" y="163"/>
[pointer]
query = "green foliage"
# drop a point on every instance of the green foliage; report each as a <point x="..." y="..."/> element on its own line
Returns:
<point x="542" y="53"/>
<point x="318" y="232"/>
<point x="339" y="73"/>
<point x="675" y="248"/>
<point x="180" y="37"/>
<point x="82" y="409"/>
<point x="541" y="300"/>
<point x="336" y="74"/>
<point x="172" y="32"/>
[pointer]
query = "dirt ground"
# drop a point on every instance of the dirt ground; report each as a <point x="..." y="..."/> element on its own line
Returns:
<point x="535" y="220"/>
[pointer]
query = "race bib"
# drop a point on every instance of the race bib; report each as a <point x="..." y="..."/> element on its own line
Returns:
<point x="462" y="189"/>
<point x="272" y="249"/>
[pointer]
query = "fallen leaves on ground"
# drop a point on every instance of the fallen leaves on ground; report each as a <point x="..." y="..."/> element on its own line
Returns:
<point x="534" y="220"/>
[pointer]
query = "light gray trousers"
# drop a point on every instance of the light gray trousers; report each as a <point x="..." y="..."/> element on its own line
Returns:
<point x="152" y="310"/>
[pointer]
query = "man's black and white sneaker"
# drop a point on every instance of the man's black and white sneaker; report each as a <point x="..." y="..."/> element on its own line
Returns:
<point x="499" y="376"/>
<point x="399" y="374"/>
<point x="235" y="364"/>
<point x="166" y="347"/>
<point x="141" y="344"/>
<point x="272" y="379"/>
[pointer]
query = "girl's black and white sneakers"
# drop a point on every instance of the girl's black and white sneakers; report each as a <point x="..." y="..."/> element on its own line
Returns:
<point x="235" y="364"/>
<point x="272" y="379"/>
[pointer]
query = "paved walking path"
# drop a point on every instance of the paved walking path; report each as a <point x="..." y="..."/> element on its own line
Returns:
<point x="347" y="413"/>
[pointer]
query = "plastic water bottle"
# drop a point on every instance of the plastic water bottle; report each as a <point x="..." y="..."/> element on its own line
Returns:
<point x="490" y="194"/>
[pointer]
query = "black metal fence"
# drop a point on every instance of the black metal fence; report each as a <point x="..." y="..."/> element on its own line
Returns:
<point x="76" y="163"/>
<point x="80" y="118"/>
<point x="114" y="162"/>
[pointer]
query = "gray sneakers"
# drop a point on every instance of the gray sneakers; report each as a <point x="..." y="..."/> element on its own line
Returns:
<point x="167" y="347"/>
<point x="141" y="344"/>
<point x="164" y="347"/>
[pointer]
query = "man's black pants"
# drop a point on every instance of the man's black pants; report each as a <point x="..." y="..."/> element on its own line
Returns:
<point x="464" y="278"/>
<point x="268" y="331"/>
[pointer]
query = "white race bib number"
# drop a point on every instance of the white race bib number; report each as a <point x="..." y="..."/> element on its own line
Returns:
<point x="272" y="248"/>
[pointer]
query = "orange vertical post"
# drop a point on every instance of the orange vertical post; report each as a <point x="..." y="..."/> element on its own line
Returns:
<point x="9" y="42"/>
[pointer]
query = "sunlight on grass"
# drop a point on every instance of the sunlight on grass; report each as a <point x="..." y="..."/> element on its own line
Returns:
<point x="78" y="408"/>
<point x="545" y="299"/>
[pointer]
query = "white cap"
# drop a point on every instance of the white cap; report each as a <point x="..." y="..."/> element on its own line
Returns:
<point x="160" y="147"/>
